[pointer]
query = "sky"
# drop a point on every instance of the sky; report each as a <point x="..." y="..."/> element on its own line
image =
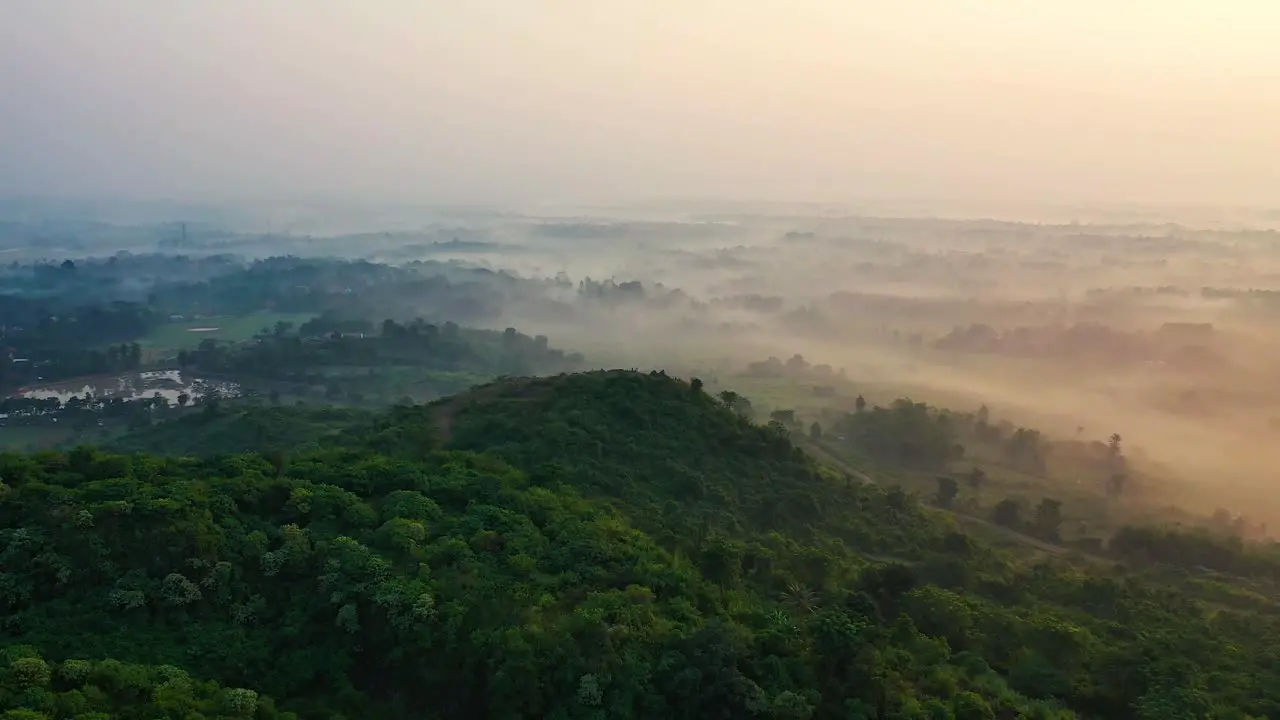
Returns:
<point x="1153" y="101"/>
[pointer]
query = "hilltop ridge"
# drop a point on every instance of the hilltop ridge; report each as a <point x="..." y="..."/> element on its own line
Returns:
<point x="629" y="540"/>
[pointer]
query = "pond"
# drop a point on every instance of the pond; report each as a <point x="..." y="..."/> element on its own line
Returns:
<point x="169" y="384"/>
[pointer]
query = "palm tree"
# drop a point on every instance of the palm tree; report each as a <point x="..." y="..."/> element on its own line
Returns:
<point x="799" y="598"/>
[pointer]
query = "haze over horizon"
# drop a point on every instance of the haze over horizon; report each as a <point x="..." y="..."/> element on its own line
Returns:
<point x="547" y="101"/>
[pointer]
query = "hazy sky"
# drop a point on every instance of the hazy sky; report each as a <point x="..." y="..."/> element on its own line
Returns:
<point x="564" y="100"/>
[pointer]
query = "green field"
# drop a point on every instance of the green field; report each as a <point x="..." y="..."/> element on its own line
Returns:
<point x="187" y="334"/>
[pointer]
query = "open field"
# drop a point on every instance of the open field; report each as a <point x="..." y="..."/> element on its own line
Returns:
<point x="187" y="334"/>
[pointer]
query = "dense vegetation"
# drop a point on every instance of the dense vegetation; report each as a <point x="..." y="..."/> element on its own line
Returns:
<point x="34" y="688"/>
<point x="89" y="340"/>
<point x="312" y="354"/>
<point x="287" y="329"/>
<point x="596" y="545"/>
<point x="228" y="428"/>
<point x="56" y="320"/>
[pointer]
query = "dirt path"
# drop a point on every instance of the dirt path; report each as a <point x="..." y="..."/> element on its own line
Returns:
<point x="443" y="411"/>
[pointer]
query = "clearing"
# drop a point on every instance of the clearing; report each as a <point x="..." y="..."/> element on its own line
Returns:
<point x="184" y="335"/>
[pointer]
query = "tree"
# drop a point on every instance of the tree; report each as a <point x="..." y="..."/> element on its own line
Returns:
<point x="1115" y="455"/>
<point x="799" y="599"/>
<point x="695" y="385"/>
<point x="976" y="478"/>
<point x="948" y="489"/>
<point x="983" y="416"/>
<point x="183" y="399"/>
<point x="815" y="431"/>
<point x="278" y="459"/>
<point x="971" y="706"/>
<point x="1221" y="517"/>
<point x="1048" y="519"/>
<point x="907" y="433"/>
<point x="1007" y="512"/>
<point x="778" y="429"/>
<point x="860" y="404"/>
<point x="212" y="402"/>
<point x="1027" y="450"/>
<point x="1113" y="445"/>
<point x="736" y="403"/>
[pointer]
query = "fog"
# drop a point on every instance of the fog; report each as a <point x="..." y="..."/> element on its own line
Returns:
<point x="991" y="105"/>
<point x="1080" y="330"/>
<point x="1164" y="333"/>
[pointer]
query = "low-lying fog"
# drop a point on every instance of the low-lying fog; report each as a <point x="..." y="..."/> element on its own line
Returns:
<point x="1113" y="323"/>
<point x="1162" y="333"/>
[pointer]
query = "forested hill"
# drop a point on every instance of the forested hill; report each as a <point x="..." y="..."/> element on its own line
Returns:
<point x="679" y="463"/>
<point x="601" y="545"/>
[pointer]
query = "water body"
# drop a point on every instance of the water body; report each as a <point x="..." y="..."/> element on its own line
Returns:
<point x="169" y="384"/>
